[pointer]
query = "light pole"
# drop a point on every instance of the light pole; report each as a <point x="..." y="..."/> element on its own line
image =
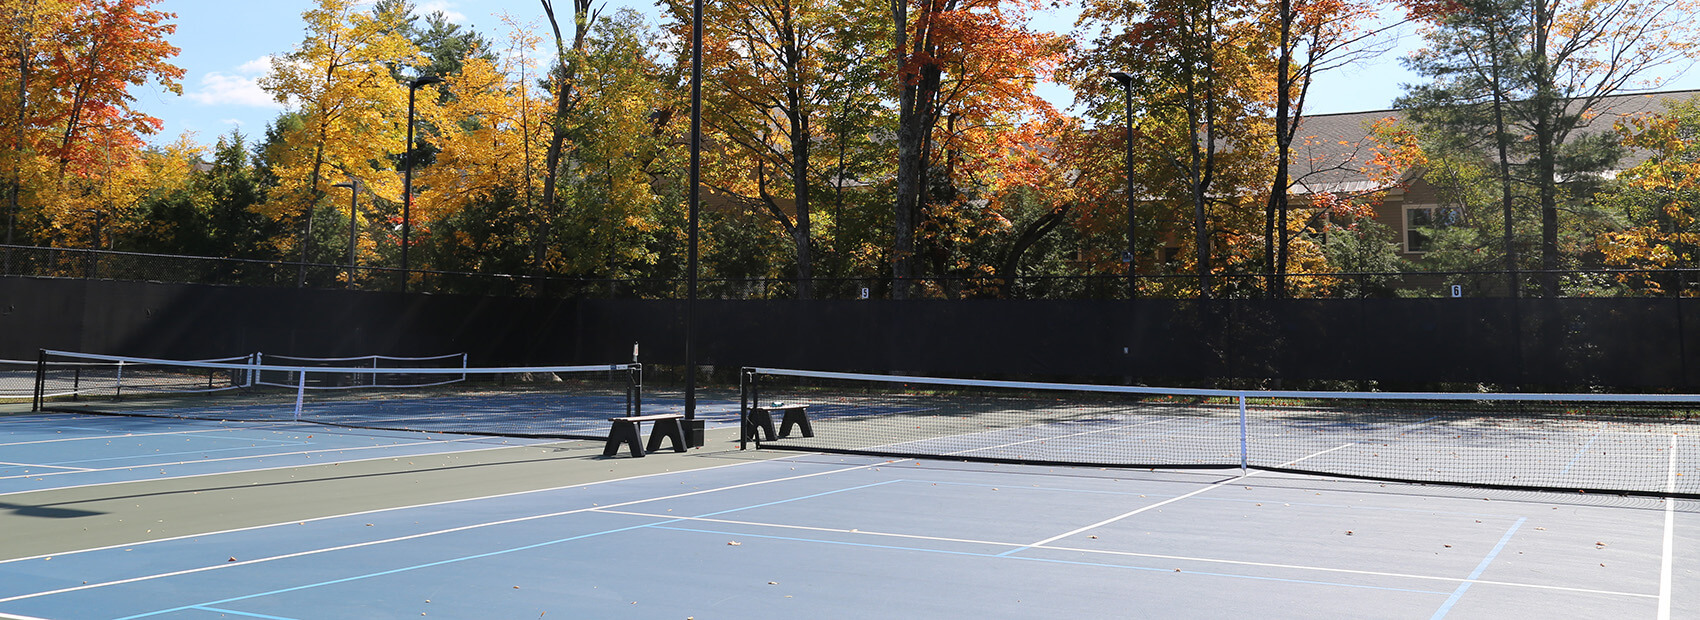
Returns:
<point x="353" y="204"/>
<point x="691" y="251"/>
<point x="1127" y="118"/>
<point x="407" y="173"/>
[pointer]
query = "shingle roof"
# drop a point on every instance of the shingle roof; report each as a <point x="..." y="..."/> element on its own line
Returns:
<point x="1333" y="152"/>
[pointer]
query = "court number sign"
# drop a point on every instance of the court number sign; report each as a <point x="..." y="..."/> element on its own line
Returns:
<point x="1457" y="290"/>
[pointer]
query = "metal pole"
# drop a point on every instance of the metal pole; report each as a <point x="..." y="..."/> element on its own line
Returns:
<point x="40" y="381"/>
<point x="695" y="195"/>
<point x="407" y="186"/>
<point x="407" y="174"/>
<point x="353" y="207"/>
<point x="1244" y="459"/>
<point x="306" y="240"/>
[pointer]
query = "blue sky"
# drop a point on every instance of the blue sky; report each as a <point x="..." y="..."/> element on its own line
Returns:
<point x="225" y="45"/>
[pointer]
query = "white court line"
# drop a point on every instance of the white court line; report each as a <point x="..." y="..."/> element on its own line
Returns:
<point x="1044" y="439"/>
<point x="1670" y="534"/>
<point x="73" y="469"/>
<point x="261" y="456"/>
<point x="417" y="536"/>
<point x="1166" y="502"/>
<point x="127" y="435"/>
<point x="1156" y="556"/>
<point x="1125" y="515"/>
<point x="7" y="616"/>
<point x="363" y="513"/>
<point x="1308" y="456"/>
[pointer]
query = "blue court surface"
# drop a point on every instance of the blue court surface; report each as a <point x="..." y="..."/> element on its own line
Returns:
<point x="55" y="451"/>
<point x="522" y="414"/>
<point x="814" y="536"/>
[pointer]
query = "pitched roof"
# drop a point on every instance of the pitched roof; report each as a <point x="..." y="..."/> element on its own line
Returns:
<point x="1333" y="152"/>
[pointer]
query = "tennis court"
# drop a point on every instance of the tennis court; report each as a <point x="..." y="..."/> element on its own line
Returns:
<point x="817" y="536"/>
<point x="51" y="451"/>
<point x="1092" y="502"/>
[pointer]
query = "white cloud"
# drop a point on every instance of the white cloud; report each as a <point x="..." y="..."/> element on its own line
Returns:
<point x="257" y="66"/>
<point x="233" y="121"/>
<point x="239" y="88"/>
<point x="445" y="7"/>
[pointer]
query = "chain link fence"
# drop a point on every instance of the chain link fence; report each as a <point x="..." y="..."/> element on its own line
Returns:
<point x="73" y="263"/>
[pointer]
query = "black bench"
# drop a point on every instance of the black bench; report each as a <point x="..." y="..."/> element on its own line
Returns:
<point x="629" y="431"/>
<point x="761" y="419"/>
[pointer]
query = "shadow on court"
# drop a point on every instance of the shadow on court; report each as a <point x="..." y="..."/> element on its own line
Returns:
<point x="47" y="512"/>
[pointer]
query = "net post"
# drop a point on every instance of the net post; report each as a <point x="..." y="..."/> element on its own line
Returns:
<point x="745" y="383"/>
<point x="118" y="388"/>
<point x="1244" y="460"/>
<point x="300" y="393"/>
<point x="40" y="381"/>
<point x="634" y="390"/>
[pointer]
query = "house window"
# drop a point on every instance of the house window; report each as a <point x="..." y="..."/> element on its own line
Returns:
<point x="1171" y="257"/>
<point x="1420" y="221"/>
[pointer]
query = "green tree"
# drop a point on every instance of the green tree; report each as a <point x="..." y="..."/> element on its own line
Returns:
<point x="1527" y="77"/>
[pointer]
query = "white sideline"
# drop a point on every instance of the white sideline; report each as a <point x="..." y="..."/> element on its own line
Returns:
<point x="411" y="536"/>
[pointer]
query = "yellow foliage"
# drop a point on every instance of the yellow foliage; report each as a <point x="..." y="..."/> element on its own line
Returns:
<point x="353" y="111"/>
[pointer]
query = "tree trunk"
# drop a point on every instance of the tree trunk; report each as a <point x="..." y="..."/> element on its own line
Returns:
<point x="1545" y="128"/>
<point x="800" y="190"/>
<point x="916" y="119"/>
<point x="798" y="113"/>
<point x="1275" y="214"/>
<point x="1502" y="140"/>
<point x="1029" y="235"/>
<point x="565" y="73"/>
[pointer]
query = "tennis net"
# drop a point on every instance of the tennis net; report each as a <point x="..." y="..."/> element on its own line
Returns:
<point x="535" y="401"/>
<point x="375" y="379"/>
<point x="1640" y="444"/>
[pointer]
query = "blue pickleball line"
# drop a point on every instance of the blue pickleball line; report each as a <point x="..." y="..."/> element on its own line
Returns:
<point x="1480" y="568"/>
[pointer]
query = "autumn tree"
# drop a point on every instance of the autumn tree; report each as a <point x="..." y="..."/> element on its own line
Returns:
<point x="1201" y="94"/>
<point x="73" y="65"/>
<point x="1652" y="206"/>
<point x="765" y="58"/>
<point x="351" y="108"/>
<point x="1315" y="36"/>
<point x="482" y="140"/>
<point x="29" y="20"/>
<point x="964" y="69"/>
